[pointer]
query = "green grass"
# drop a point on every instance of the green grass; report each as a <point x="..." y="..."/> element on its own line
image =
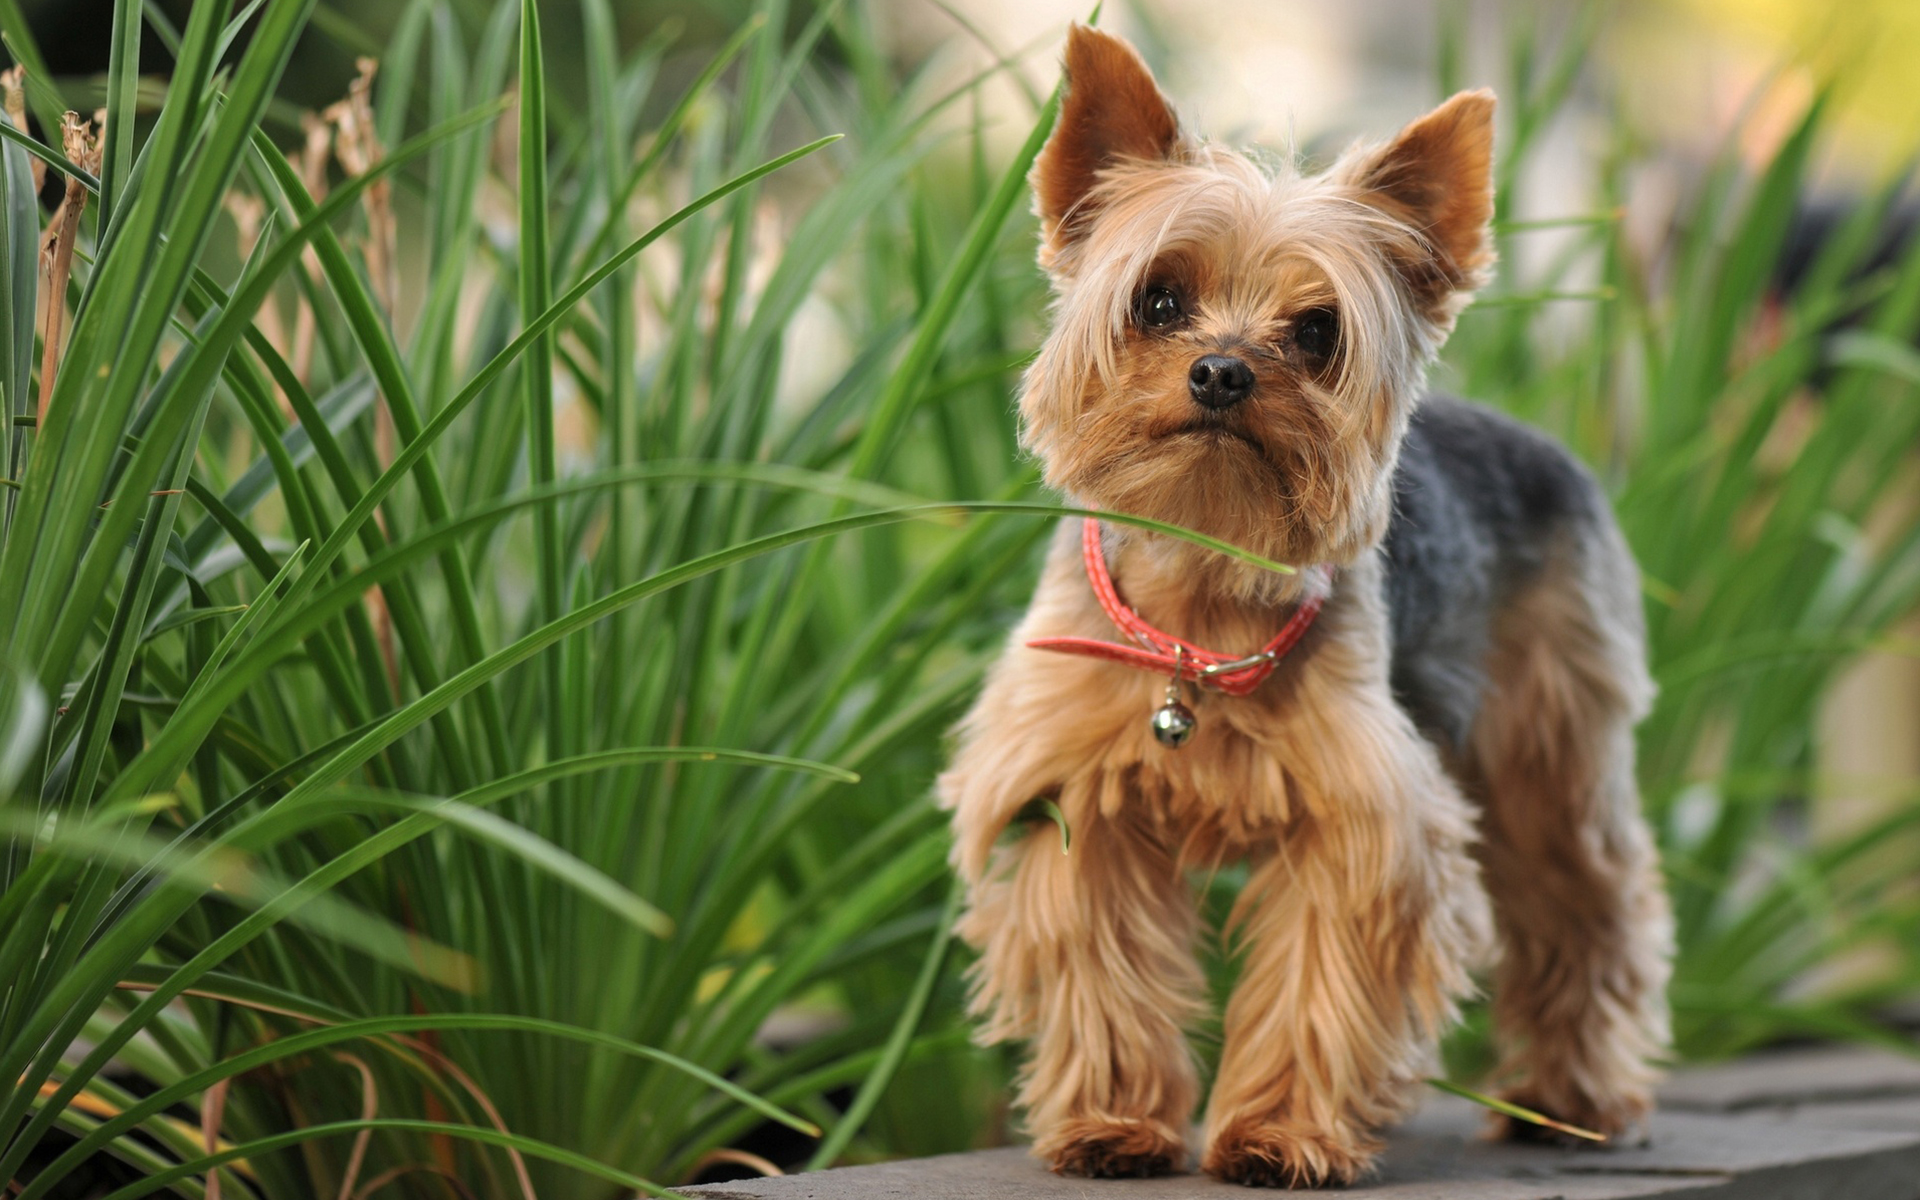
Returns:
<point x="501" y="869"/>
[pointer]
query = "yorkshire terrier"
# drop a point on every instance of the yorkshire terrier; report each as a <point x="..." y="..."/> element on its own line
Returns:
<point x="1420" y="741"/>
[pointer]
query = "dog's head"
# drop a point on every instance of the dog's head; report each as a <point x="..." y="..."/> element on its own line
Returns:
<point x="1238" y="349"/>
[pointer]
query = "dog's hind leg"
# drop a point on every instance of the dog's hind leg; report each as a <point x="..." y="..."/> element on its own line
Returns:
<point x="1585" y="933"/>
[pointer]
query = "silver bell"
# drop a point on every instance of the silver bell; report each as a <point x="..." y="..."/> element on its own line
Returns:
<point x="1173" y="723"/>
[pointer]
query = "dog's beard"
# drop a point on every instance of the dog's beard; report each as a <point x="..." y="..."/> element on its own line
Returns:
<point x="1208" y="478"/>
<point x="1293" y="503"/>
<point x="1213" y="436"/>
<point x="1225" y="474"/>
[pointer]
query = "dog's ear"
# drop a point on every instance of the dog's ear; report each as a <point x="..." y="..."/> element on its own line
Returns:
<point x="1112" y="112"/>
<point x="1437" y="176"/>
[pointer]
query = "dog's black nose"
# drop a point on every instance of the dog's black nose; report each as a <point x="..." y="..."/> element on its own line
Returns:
<point x="1219" y="382"/>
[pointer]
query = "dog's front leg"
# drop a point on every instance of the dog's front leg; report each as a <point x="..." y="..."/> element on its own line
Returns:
<point x="1089" y="954"/>
<point x="1358" y="930"/>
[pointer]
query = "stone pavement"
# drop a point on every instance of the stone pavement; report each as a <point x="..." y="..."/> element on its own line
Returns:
<point x="1829" y="1124"/>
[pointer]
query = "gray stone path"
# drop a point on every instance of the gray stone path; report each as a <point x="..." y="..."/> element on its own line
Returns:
<point x="1804" y="1125"/>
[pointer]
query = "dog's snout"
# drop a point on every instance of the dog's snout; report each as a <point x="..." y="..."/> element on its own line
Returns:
<point x="1217" y="381"/>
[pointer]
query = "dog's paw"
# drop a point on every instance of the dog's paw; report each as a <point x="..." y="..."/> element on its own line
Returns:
<point x="1270" y="1156"/>
<point x="1113" y="1149"/>
<point x="1622" y="1122"/>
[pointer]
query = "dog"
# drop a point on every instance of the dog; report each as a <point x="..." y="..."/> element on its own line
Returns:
<point x="1428" y="768"/>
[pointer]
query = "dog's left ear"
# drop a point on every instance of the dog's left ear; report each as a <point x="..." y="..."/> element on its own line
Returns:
<point x="1112" y="112"/>
<point x="1437" y="176"/>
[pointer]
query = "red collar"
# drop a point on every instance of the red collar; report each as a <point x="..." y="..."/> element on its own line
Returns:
<point x="1162" y="653"/>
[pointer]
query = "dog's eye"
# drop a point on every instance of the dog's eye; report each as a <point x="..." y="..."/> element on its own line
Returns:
<point x="1317" y="333"/>
<point x="1159" y="308"/>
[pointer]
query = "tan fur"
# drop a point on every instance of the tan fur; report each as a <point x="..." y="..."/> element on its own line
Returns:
<point x="1365" y="912"/>
<point x="1112" y="110"/>
<point x="1437" y="176"/>
<point x="1585" y="932"/>
<point x="1360" y="926"/>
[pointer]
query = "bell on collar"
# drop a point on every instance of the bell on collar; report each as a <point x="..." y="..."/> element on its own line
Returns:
<point x="1173" y="722"/>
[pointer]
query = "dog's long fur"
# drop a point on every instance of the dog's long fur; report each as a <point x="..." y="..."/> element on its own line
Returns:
<point x="1478" y="666"/>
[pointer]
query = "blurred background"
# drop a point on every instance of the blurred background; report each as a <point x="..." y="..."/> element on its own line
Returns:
<point x="1710" y="288"/>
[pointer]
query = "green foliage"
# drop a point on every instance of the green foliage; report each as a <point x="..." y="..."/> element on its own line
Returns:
<point x="436" y="735"/>
<point x="343" y="684"/>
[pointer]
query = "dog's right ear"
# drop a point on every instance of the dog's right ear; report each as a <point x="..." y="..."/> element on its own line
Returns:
<point x="1112" y="112"/>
